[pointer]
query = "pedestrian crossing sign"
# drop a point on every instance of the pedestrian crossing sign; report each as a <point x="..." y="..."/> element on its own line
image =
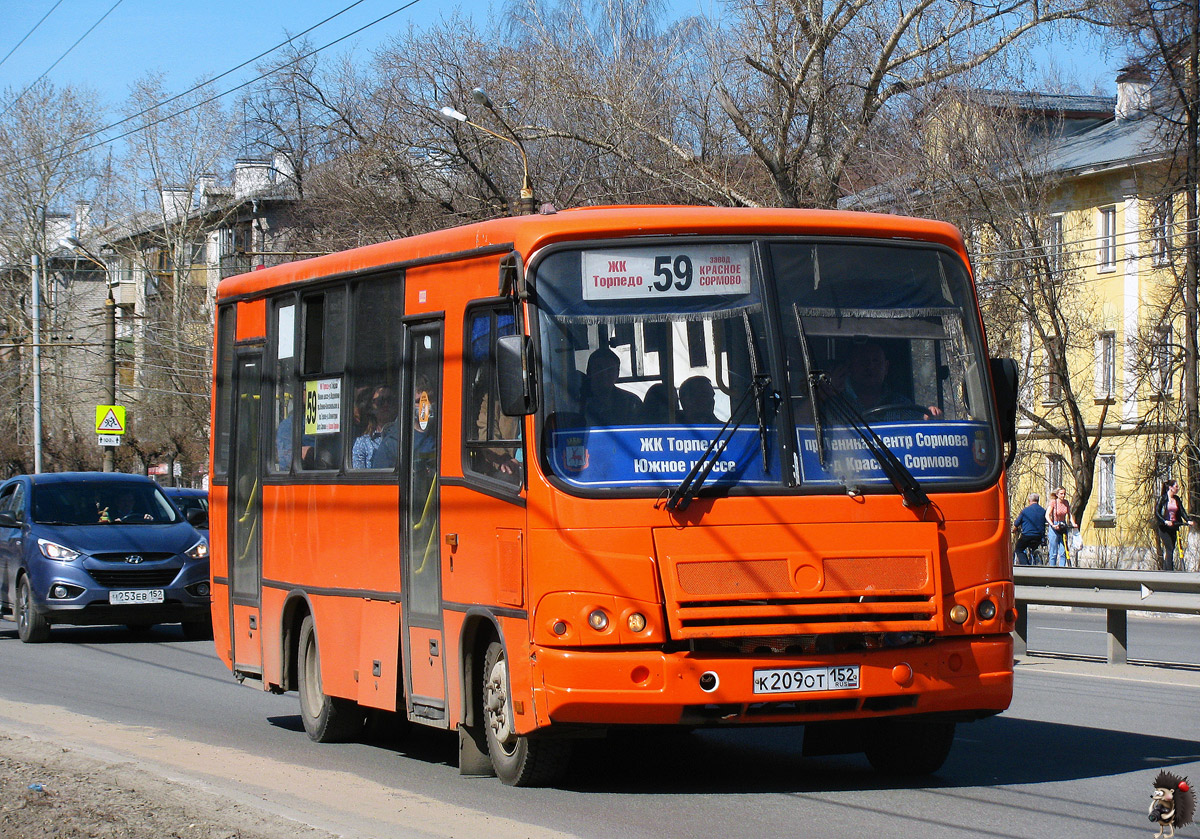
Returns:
<point x="110" y="419"/>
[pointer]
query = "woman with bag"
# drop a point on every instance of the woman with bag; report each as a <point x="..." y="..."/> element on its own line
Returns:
<point x="1169" y="516"/>
<point x="1059" y="521"/>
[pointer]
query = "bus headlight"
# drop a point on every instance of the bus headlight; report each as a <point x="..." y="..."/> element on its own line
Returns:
<point x="959" y="614"/>
<point x="598" y="620"/>
<point x="986" y="610"/>
<point x="636" y="622"/>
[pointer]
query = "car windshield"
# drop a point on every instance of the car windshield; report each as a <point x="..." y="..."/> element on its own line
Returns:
<point x="654" y="357"/>
<point x="101" y="502"/>
<point x="187" y="503"/>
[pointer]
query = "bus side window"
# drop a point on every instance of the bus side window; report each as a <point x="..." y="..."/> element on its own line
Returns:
<point x="492" y="440"/>
<point x="374" y="370"/>
<point x="324" y="343"/>
<point x="283" y="405"/>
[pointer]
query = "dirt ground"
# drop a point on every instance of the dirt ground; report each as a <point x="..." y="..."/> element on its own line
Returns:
<point x="52" y="791"/>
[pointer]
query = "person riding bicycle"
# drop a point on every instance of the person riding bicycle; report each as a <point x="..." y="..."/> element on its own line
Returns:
<point x="1030" y="530"/>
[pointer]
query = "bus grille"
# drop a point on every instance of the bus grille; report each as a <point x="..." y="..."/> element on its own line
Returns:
<point x="790" y="582"/>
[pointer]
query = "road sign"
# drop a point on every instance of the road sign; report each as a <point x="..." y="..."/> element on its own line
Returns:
<point x="108" y="439"/>
<point x="110" y="419"/>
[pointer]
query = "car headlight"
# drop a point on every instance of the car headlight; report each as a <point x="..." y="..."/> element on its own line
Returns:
<point x="197" y="551"/>
<point x="53" y="550"/>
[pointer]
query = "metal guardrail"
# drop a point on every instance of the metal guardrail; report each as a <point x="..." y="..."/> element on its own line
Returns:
<point x="1117" y="592"/>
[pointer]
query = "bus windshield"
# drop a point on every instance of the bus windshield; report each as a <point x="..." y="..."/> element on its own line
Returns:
<point x="646" y="351"/>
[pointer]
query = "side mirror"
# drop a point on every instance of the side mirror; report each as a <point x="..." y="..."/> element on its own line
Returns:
<point x="1006" y="380"/>
<point x="197" y="518"/>
<point x="512" y="375"/>
<point x="8" y="520"/>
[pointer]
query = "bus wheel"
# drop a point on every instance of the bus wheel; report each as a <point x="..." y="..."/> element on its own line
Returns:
<point x="327" y="719"/>
<point x="915" y="747"/>
<point x="32" y="626"/>
<point x="519" y="761"/>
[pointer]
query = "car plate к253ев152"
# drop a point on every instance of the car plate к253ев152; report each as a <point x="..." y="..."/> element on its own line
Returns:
<point x="804" y="679"/>
<point x="141" y="595"/>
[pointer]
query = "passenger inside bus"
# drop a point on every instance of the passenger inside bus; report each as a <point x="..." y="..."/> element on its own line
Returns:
<point x="863" y="380"/>
<point x="603" y="402"/>
<point x="699" y="401"/>
<point x="387" y="449"/>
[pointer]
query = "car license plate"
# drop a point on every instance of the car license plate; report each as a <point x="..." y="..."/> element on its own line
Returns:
<point x="141" y="595"/>
<point x="805" y="679"/>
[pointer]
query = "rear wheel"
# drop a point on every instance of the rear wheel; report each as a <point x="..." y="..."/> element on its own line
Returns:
<point x="197" y="630"/>
<point x="519" y="760"/>
<point x="914" y="747"/>
<point x="327" y="719"/>
<point x="32" y="626"/>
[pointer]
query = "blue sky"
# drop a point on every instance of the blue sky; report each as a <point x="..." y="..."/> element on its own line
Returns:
<point x="187" y="39"/>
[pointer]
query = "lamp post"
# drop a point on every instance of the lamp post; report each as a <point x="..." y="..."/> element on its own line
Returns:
<point x="110" y="334"/>
<point x="527" y="202"/>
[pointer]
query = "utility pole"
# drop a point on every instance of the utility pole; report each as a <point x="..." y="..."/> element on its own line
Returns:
<point x="36" y="317"/>
<point x="110" y="353"/>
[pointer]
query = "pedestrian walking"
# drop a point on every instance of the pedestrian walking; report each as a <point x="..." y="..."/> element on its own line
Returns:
<point x="1059" y="523"/>
<point x="1030" y="529"/>
<point x="1169" y="516"/>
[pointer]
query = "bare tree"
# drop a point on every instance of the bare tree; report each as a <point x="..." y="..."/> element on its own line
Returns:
<point x="1163" y="38"/>
<point x="165" y="234"/>
<point x="45" y="166"/>
<point x="979" y="160"/>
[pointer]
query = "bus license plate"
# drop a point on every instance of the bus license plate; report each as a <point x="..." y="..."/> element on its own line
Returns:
<point x="141" y="595"/>
<point x="805" y="679"/>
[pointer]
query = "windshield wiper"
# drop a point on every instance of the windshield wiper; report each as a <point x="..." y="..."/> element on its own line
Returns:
<point x="682" y="495"/>
<point x="843" y="409"/>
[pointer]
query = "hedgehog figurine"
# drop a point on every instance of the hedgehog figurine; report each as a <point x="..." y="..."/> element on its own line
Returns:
<point x="1172" y="805"/>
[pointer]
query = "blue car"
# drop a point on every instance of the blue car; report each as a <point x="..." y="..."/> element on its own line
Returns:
<point x="90" y="548"/>
<point x="193" y="503"/>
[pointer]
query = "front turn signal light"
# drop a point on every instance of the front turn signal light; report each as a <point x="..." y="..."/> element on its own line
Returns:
<point x="959" y="614"/>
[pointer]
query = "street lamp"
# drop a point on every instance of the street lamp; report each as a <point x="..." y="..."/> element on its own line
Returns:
<point x="110" y="332"/>
<point x="527" y="203"/>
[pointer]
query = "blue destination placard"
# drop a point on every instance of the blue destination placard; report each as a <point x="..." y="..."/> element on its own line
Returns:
<point x="933" y="451"/>
<point x="656" y="455"/>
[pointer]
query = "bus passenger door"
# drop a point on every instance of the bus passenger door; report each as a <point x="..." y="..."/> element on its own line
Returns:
<point x="421" y="421"/>
<point x="245" y="517"/>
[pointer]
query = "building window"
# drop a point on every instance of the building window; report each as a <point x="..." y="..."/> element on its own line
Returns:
<point x="1106" y="504"/>
<point x="1106" y="365"/>
<point x="1054" y="245"/>
<point x="1161" y="223"/>
<point x="1164" y="468"/>
<point x="1108" y="239"/>
<point x="1162" y="356"/>
<point x="1054" y="390"/>
<point x="1054" y="473"/>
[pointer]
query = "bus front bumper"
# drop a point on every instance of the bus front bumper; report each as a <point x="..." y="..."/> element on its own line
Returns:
<point x="962" y="678"/>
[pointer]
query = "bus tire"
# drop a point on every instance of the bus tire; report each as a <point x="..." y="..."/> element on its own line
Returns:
<point x="327" y="719"/>
<point x="909" y="747"/>
<point x="32" y="626"/>
<point x="519" y="761"/>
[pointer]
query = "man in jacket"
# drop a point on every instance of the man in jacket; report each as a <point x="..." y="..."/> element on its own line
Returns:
<point x="1030" y="529"/>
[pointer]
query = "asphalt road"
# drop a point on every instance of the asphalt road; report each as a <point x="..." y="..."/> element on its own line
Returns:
<point x="1074" y="756"/>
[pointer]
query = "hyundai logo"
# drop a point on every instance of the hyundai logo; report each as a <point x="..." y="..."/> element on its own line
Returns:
<point x="134" y="559"/>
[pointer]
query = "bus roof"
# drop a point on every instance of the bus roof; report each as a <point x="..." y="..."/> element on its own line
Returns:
<point x="528" y="233"/>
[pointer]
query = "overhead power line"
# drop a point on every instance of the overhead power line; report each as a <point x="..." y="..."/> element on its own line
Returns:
<point x="61" y="57"/>
<point x="18" y="166"/>
<point x="30" y="32"/>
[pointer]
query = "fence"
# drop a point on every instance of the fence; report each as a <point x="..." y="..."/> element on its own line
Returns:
<point x="1117" y="592"/>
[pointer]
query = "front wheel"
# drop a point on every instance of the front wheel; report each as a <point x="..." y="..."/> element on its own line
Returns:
<point x="909" y="747"/>
<point x="519" y="760"/>
<point x="327" y="719"/>
<point x="32" y="626"/>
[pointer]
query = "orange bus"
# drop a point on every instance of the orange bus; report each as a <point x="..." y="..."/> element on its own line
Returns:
<point x="538" y="477"/>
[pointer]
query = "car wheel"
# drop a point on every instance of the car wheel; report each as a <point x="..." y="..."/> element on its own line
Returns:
<point x="908" y="748"/>
<point x="327" y="719"/>
<point x="197" y="630"/>
<point x="32" y="626"/>
<point x="519" y="760"/>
